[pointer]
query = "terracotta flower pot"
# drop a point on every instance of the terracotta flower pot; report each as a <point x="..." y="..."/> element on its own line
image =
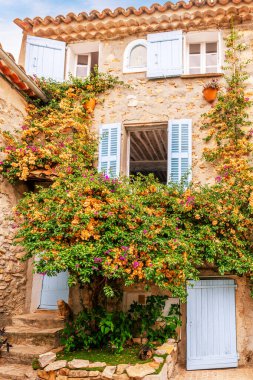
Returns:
<point x="210" y="94"/>
<point x="90" y="105"/>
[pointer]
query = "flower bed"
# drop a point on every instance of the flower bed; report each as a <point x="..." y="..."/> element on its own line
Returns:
<point x="160" y="367"/>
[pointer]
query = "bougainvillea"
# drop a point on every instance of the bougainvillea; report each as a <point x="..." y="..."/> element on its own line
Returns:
<point x="142" y="231"/>
<point x="56" y="138"/>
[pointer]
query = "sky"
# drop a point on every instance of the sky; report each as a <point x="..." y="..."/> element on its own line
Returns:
<point x="10" y="34"/>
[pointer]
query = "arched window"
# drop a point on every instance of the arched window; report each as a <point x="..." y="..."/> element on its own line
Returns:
<point x="135" y="57"/>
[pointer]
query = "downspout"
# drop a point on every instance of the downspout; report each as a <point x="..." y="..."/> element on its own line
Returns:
<point x="24" y="77"/>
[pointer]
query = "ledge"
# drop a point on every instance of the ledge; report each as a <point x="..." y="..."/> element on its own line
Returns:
<point x="208" y="75"/>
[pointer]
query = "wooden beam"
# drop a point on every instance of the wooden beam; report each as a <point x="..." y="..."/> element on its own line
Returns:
<point x="148" y="138"/>
<point x="148" y="165"/>
<point x="160" y="146"/>
<point x="137" y="127"/>
<point x="135" y="150"/>
<point x="138" y="139"/>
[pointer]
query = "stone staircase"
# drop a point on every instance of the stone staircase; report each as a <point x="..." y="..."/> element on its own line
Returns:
<point x="30" y="335"/>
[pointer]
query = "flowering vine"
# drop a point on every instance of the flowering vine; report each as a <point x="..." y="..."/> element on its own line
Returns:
<point x="142" y="231"/>
<point x="56" y="138"/>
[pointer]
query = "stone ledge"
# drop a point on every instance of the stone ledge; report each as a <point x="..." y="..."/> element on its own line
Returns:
<point x="63" y="370"/>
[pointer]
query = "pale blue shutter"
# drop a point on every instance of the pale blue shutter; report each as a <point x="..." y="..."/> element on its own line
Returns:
<point x="109" y="149"/>
<point x="45" y="58"/>
<point x="165" y="54"/>
<point x="179" y="150"/>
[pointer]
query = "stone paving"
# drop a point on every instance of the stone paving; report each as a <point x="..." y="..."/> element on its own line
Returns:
<point x="244" y="373"/>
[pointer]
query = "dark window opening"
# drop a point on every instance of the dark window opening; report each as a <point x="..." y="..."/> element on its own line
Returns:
<point x="148" y="152"/>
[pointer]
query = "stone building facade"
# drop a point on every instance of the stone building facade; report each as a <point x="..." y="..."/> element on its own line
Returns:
<point x="14" y="85"/>
<point x="149" y="103"/>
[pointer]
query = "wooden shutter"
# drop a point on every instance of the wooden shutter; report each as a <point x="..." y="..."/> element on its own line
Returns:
<point x="109" y="149"/>
<point x="45" y="58"/>
<point x="179" y="152"/>
<point x="164" y="52"/>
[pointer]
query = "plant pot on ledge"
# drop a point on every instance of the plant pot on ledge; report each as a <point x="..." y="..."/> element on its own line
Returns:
<point x="210" y="91"/>
<point x="210" y="94"/>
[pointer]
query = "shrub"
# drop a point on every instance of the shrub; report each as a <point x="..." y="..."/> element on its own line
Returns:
<point x="99" y="328"/>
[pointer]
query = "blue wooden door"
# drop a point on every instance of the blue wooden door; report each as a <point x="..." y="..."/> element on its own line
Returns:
<point x="211" y="324"/>
<point x="53" y="289"/>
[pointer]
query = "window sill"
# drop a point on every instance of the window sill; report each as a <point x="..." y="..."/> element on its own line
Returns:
<point x="208" y="75"/>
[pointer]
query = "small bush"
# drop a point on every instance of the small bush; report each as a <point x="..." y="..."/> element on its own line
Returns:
<point x="100" y="328"/>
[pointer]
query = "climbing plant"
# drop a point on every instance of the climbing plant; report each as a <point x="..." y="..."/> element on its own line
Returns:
<point x="56" y="138"/>
<point x="141" y="231"/>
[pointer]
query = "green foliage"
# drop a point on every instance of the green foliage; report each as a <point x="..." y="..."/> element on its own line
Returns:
<point x="99" y="328"/>
<point x="128" y="355"/>
<point x="149" y="321"/>
<point x="140" y="231"/>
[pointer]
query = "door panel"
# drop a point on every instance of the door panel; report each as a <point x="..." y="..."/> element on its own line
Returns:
<point x="53" y="289"/>
<point x="211" y="325"/>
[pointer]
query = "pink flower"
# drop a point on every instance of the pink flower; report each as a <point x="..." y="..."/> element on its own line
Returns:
<point x="145" y="231"/>
<point x="218" y="179"/>
<point x="97" y="260"/>
<point x="24" y="127"/>
<point x="135" y="264"/>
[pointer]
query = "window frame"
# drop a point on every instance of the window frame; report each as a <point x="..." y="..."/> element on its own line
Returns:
<point x="202" y="39"/>
<point x="88" y="65"/>
<point x="127" y="53"/>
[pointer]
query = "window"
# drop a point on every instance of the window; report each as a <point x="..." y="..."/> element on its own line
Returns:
<point x="83" y="65"/>
<point x="161" y="149"/>
<point x="135" y="57"/>
<point x="202" y="53"/>
<point x="81" y="58"/>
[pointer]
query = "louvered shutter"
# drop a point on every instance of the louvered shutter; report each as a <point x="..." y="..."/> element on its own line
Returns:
<point x="109" y="149"/>
<point x="179" y="152"/>
<point x="45" y="58"/>
<point x="165" y="54"/>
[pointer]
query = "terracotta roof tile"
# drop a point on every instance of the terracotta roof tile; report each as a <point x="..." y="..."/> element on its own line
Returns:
<point x="14" y="78"/>
<point x="28" y="23"/>
<point x="115" y="23"/>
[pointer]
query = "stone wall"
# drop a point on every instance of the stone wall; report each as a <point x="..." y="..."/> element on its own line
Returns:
<point x="147" y="101"/>
<point x="159" y="100"/>
<point x="12" y="271"/>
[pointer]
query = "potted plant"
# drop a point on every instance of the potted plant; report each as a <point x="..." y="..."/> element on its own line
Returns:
<point x="210" y="90"/>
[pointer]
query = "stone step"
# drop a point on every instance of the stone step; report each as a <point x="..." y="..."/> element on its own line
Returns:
<point x="41" y="319"/>
<point x="16" y="372"/>
<point x="23" y="354"/>
<point x="33" y="336"/>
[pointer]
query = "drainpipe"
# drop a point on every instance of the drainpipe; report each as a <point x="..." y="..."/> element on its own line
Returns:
<point x="22" y="75"/>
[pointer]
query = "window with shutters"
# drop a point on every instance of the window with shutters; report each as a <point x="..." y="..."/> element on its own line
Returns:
<point x="202" y="53"/>
<point x="163" y="150"/>
<point x="148" y="151"/>
<point x="135" y="57"/>
<point x="109" y="149"/>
